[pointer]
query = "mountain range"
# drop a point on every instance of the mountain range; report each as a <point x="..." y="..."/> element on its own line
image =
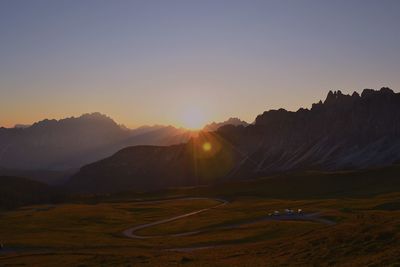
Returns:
<point x="340" y="133"/>
<point x="70" y="143"/>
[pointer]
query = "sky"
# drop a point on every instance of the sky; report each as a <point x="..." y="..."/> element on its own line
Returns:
<point x="189" y="62"/>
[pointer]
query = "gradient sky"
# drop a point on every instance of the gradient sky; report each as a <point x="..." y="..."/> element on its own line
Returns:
<point x="148" y="62"/>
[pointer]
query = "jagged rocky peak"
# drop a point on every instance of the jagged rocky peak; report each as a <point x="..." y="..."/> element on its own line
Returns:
<point x="334" y="100"/>
<point x="88" y="119"/>
<point x="303" y="110"/>
<point x="317" y="106"/>
<point x="231" y="121"/>
<point x="368" y="92"/>
<point x="100" y="118"/>
<point x="44" y="123"/>
<point x="335" y="96"/>
<point x="383" y="91"/>
<point x="95" y="116"/>
<point x="273" y="116"/>
<point x="387" y="90"/>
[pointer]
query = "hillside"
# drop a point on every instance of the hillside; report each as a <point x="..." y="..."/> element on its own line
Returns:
<point x="48" y="177"/>
<point x="19" y="191"/>
<point x="157" y="167"/>
<point x="345" y="132"/>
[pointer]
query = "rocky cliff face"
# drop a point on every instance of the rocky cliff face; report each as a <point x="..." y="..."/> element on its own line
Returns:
<point x="343" y="132"/>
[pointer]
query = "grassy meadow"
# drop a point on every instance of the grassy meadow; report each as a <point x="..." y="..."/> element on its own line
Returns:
<point x="88" y="231"/>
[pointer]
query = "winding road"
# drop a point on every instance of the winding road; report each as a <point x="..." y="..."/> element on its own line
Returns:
<point x="131" y="232"/>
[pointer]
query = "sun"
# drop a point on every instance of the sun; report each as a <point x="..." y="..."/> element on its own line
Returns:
<point x="193" y="119"/>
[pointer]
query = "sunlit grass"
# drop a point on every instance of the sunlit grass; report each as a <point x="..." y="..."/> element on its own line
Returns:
<point x="90" y="235"/>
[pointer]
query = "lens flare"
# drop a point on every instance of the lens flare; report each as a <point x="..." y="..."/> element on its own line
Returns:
<point x="207" y="146"/>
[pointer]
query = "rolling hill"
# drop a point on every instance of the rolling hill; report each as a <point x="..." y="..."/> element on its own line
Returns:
<point x="19" y="191"/>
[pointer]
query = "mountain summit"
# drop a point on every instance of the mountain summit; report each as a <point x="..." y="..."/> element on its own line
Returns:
<point x="231" y="121"/>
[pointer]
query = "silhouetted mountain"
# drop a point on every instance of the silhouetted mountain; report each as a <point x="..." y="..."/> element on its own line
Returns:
<point x="343" y="132"/>
<point x="146" y="128"/>
<point x="155" y="167"/>
<point x="48" y="177"/>
<point x="231" y="121"/>
<point x="22" y="125"/>
<point x="19" y="191"/>
<point x="70" y="143"/>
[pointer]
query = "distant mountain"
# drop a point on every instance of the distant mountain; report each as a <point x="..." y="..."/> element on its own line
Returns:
<point x="22" y="125"/>
<point x="146" y="128"/>
<point x="343" y="132"/>
<point x="231" y="121"/>
<point x="72" y="142"/>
